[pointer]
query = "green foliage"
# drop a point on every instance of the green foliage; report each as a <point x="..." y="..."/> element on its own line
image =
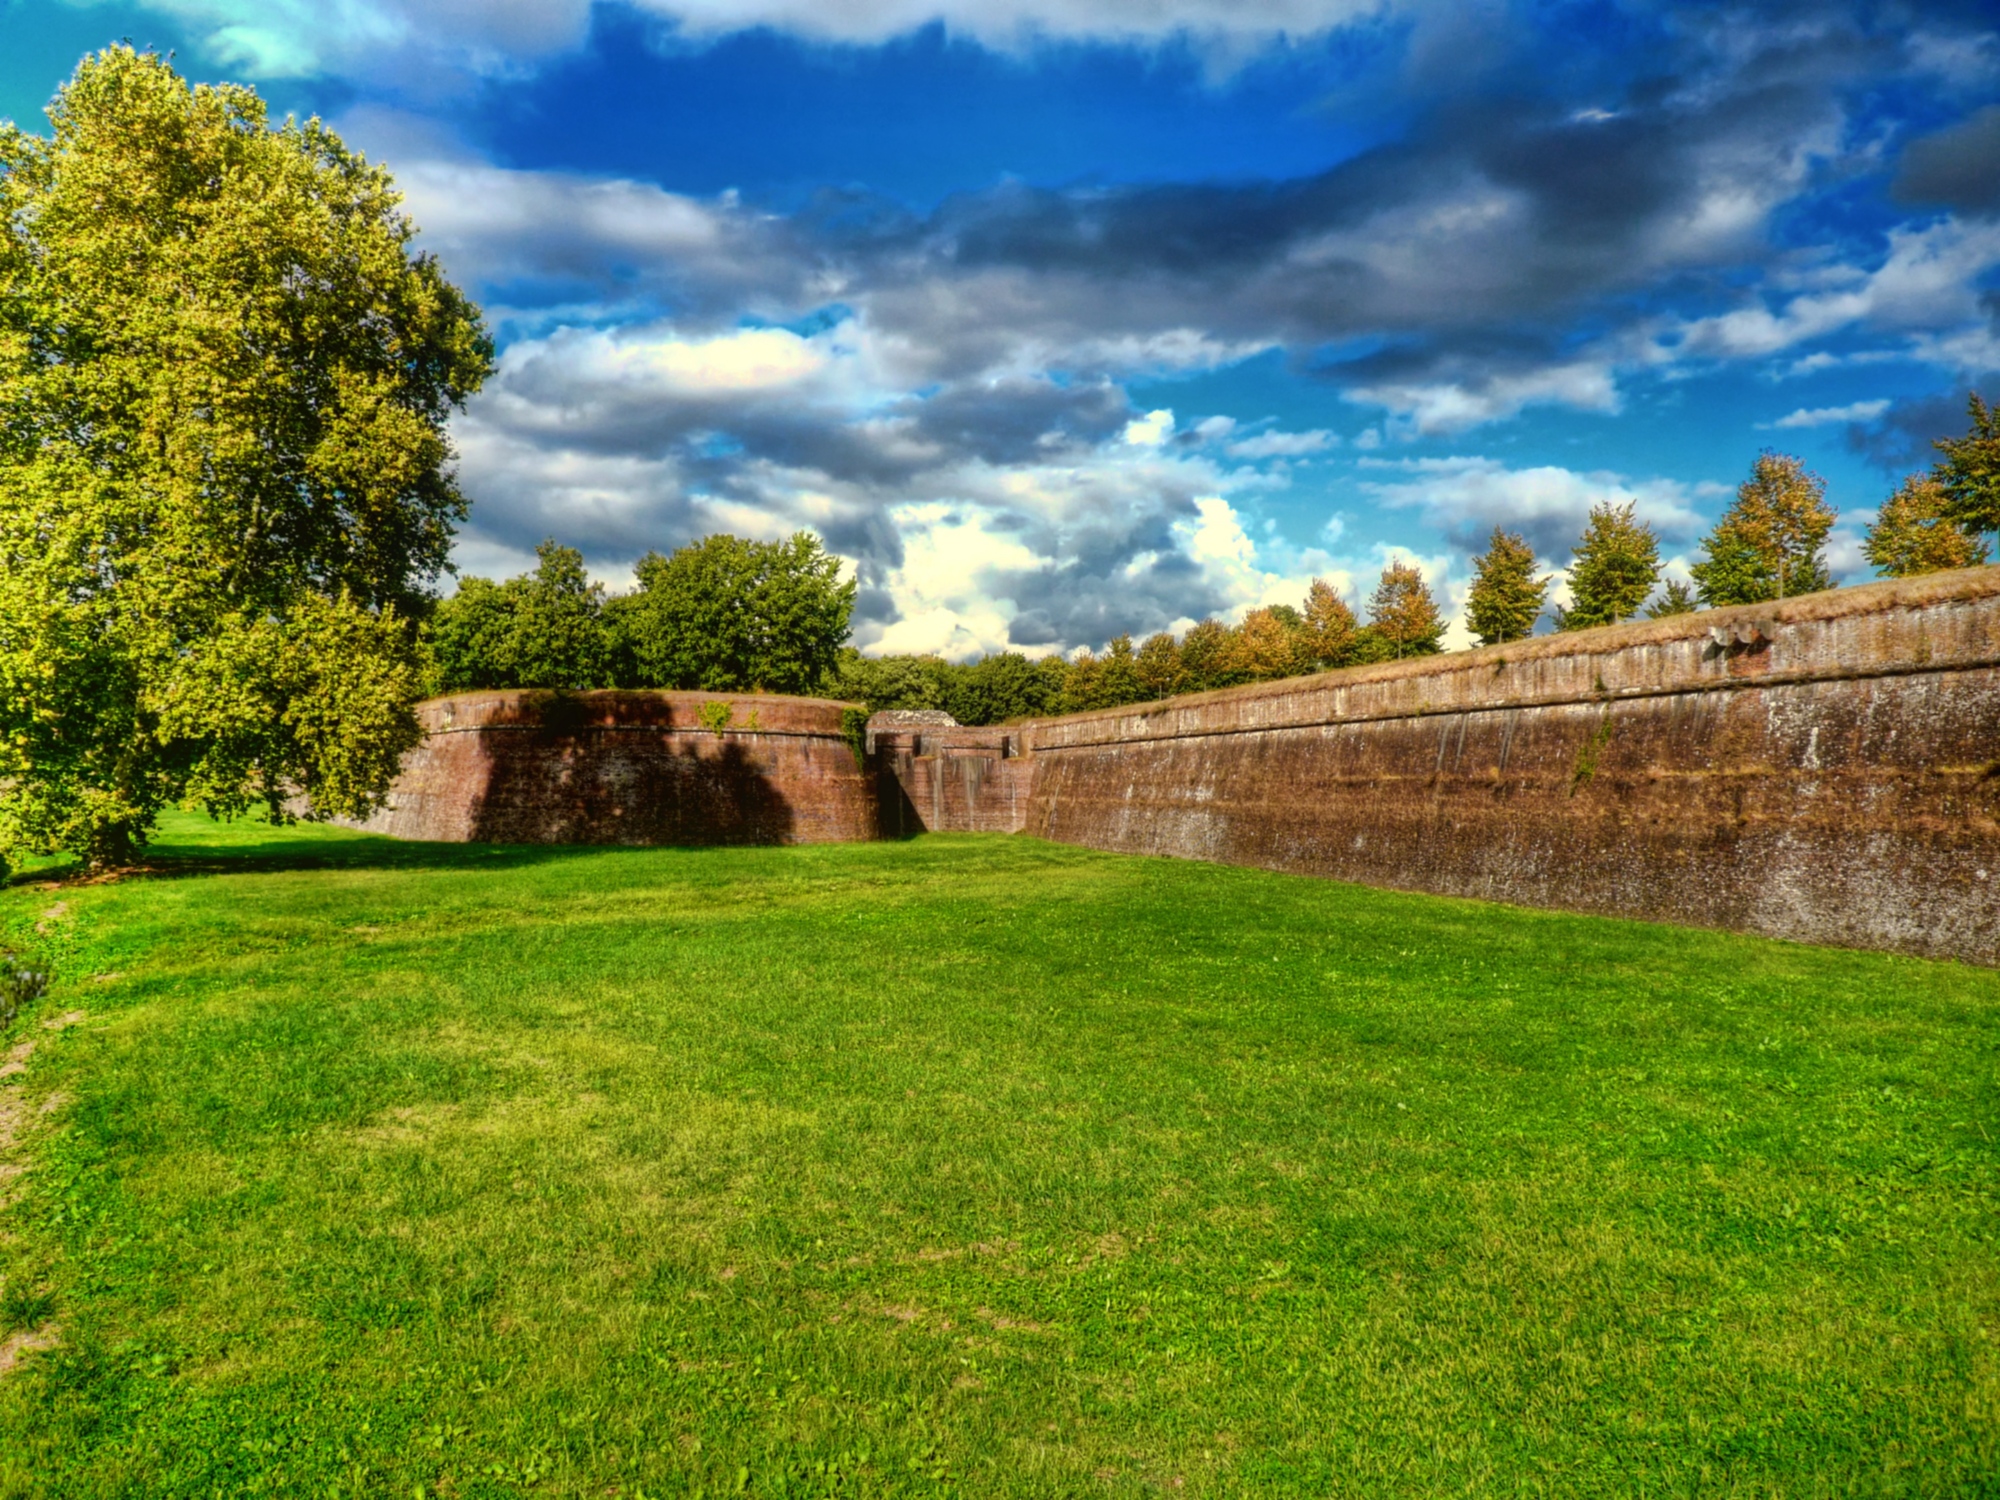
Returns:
<point x="1402" y="614"/>
<point x="1205" y="656"/>
<point x="1771" y="543"/>
<point x="1677" y="598"/>
<point x="715" y="716"/>
<point x="885" y="682"/>
<point x="1506" y="598"/>
<point x="1329" y="628"/>
<point x="1913" y="534"/>
<point x="558" y="1171"/>
<point x="1277" y="641"/>
<point x="1616" y="564"/>
<point x="1969" y="472"/>
<point x="543" y="630"/>
<point x="225" y="483"/>
<point x="726" y="614"/>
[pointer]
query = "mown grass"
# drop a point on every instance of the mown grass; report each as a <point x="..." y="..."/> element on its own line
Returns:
<point x="976" y="1166"/>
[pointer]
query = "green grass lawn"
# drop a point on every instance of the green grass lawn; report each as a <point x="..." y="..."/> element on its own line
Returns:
<point x="975" y="1166"/>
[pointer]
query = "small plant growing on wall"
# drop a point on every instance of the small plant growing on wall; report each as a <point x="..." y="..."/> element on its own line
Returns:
<point x="715" y="716"/>
<point x="854" y="729"/>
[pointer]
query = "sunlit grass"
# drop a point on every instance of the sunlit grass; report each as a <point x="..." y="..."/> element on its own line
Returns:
<point x="977" y="1166"/>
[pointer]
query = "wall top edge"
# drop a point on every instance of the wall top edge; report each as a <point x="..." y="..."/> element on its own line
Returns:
<point x="1942" y="620"/>
<point x="627" y="708"/>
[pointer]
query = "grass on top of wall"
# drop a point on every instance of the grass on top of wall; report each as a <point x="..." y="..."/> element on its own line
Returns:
<point x="972" y="1166"/>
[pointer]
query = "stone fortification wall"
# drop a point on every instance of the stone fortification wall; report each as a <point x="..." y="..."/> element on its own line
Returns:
<point x="948" y="777"/>
<point x="1825" y="769"/>
<point x="630" y="768"/>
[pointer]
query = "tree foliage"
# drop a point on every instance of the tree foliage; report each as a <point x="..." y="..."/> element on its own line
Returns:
<point x="1402" y="613"/>
<point x="1771" y="543"/>
<point x="543" y="630"/>
<point x="1969" y="472"/>
<point x="725" y="614"/>
<point x="1676" y="598"/>
<point x="225" y="483"/>
<point x="1913" y="534"/>
<point x="1506" y="598"/>
<point x="1616" y="564"/>
<point x="728" y="614"/>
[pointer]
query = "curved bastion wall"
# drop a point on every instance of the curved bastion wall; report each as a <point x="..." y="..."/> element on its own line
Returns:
<point x="1825" y="769"/>
<point x="619" y="767"/>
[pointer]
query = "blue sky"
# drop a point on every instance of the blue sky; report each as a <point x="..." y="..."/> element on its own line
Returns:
<point x="1065" y="317"/>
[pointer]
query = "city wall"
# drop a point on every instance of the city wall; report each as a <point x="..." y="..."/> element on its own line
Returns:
<point x="1825" y="769"/>
<point x="631" y="768"/>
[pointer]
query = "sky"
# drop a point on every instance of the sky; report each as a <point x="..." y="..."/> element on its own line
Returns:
<point x="1064" y="318"/>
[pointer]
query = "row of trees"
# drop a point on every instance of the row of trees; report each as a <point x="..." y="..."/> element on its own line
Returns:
<point x="1770" y="544"/>
<point x="730" y="615"/>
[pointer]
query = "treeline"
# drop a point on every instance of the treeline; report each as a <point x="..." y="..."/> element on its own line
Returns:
<point x="731" y="615"/>
<point x="725" y="614"/>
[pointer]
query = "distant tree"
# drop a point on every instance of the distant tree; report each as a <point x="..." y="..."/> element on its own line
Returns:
<point x="1120" y="683"/>
<point x="1676" y="598"/>
<point x="1329" y="628"/>
<point x="1267" y="645"/>
<point x="1506" y="597"/>
<point x="226" y="487"/>
<point x="1000" y="688"/>
<point x="1403" y="614"/>
<point x="1616" y="564"/>
<point x="542" y="630"/>
<point x="471" y="637"/>
<point x="1969" y="472"/>
<point x="1158" y="664"/>
<point x="1204" y="656"/>
<point x="726" y="614"/>
<point x="1913" y="534"/>
<point x="886" y="682"/>
<point x="1771" y="543"/>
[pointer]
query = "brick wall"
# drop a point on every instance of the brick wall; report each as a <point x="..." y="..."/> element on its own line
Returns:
<point x="1825" y="769"/>
<point x="630" y="768"/>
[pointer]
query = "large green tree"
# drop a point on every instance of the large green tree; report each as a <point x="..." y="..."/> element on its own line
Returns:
<point x="225" y="482"/>
<point x="1771" y="543"/>
<point x="727" y="614"/>
<point x="1616" y="564"/>
<point x="1506" y="597"/>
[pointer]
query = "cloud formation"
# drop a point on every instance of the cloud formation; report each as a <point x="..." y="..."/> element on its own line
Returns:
<point x="946" y="394"/>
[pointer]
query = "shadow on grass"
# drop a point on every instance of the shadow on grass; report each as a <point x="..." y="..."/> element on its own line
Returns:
<point x="219" y="849"/>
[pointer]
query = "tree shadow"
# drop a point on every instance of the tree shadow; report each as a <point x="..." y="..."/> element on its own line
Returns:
<point x="565" y="787"/>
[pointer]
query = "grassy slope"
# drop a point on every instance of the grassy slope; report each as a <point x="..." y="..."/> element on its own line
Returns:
<point x="984" y="1166"/>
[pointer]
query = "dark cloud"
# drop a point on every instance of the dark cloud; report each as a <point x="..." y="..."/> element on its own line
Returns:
<point x="1956" y="168"/>
<point x="1900" y="439"/>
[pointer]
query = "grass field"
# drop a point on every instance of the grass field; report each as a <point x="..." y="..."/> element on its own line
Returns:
<point x="973" y="1166"/>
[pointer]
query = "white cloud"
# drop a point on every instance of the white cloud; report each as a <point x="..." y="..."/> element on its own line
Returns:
<point x="1431" y="408"/>
<point x="1285" y="444"/>
<point x="291" y="38"/>
<point x="1150" y="430"/>
<point x="1825" y="416"/>
<point x="1465" y="498"/>
<point x="1927" y="284"/>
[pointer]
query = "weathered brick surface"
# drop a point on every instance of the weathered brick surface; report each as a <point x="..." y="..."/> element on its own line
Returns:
<point x="952" y="778"/>
<point x="630" y="768"/>
<point x="1826" y="769"/>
